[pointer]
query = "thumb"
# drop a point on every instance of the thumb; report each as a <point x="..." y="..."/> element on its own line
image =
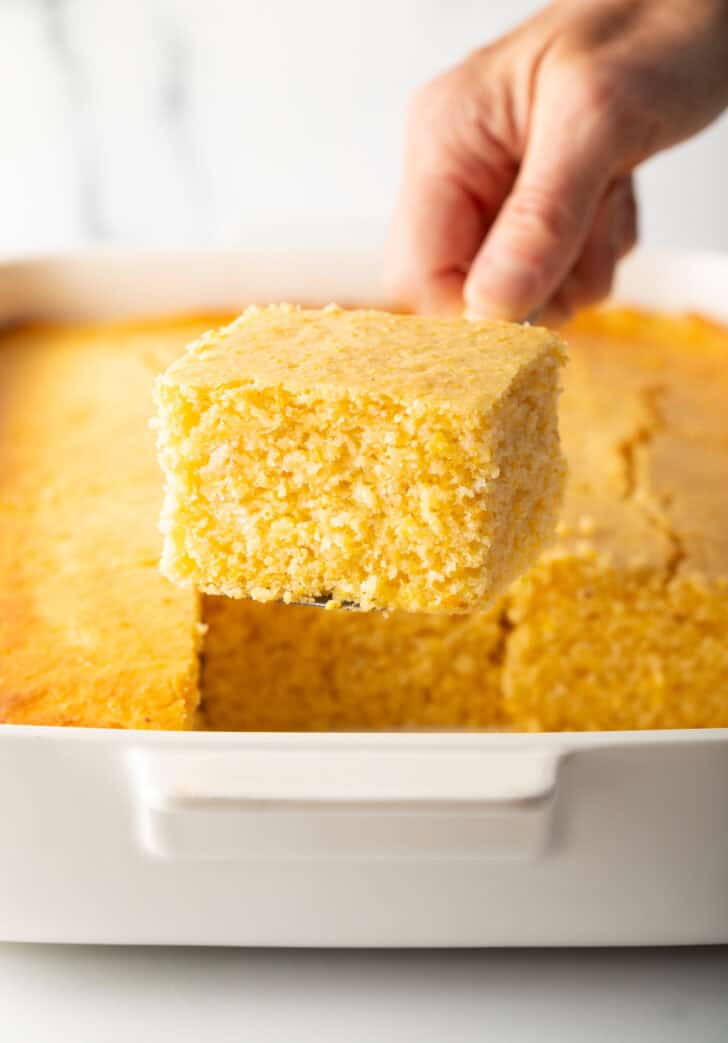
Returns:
<point x="543" y="224"/>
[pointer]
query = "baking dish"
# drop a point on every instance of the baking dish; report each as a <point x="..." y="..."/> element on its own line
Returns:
<point x="381" y="839"/>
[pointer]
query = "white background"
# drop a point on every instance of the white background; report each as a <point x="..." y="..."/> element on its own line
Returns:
<point x="214" y="121"/>
<point x="222" y="122"/>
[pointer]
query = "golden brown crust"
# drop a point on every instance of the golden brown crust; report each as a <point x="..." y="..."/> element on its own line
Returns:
<point x="396" y="462"/>
<point x="625" y="623"/>
<point x="622" y="624"/>
<point x="90" y="633"/>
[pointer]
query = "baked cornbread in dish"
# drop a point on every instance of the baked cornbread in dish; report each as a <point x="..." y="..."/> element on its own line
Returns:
<point x="625" y="625"/>
<point x="622" y="624"/>
<point x="387" y="460"/>
<point x="293" y="667"/>
<point x="90" y="632"/>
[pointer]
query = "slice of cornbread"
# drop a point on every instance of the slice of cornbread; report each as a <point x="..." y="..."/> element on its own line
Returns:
<point x="90" y="633"/>
<point x="622" y="624"/>
<point x="596" y="648"/>
<point x="296" y="668"/>
<point x="387" y="460"/>
<point x="625" y="623"/>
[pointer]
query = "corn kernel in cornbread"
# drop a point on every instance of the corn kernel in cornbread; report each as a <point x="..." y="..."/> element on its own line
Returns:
<point x="90" y="633"/>
<point x="295" y="668"/>
<point x="386" y="460"/>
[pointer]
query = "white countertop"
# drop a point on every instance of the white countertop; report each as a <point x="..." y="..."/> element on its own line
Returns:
<point x="54" y="994"/>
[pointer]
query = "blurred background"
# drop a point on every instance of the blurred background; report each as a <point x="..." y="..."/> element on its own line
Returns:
<point x="224" y="122"/>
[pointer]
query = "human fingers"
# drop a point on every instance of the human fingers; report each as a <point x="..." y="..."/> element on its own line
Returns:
<point x="436" y="231"/>
<point x="456" y="175"/>
<point x="543" y="225"/>
<point x="612" y="235"/>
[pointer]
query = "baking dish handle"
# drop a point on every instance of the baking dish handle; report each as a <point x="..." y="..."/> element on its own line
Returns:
<point x="347" y="803"/>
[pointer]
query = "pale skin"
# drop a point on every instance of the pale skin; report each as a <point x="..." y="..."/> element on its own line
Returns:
<point x="516" y="198"/>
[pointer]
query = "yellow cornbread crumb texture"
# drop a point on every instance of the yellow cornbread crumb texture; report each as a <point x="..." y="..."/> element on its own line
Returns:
<point x="623" y="623"/>
<point x="292" y="667"/>
<point x="90" y="633"/>
<point x="387" y="460"/>
<point x="594" y="647"/>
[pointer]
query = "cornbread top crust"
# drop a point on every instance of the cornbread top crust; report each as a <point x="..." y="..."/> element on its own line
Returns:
<point x="644" y="424"/>
<point x="387" y="460"/>
<point x="623" y="623"/>
<point x="90" y="632"/>
<point x="466" y="364"/>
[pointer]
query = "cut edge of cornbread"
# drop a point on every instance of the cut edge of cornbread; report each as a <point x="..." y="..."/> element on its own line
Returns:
<point x="274" y="667"/>
<point x="420" y="503"/>
<point x="670" y="670"/>
<point x="593" y="648"/>
<point x="90" y="634"/>
<point x="623" y="623"/>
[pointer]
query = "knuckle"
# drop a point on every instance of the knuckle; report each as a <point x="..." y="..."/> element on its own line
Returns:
<point x="615" y="98"/>
<point x="594" y="92"/>
<point x="432" y="100"/>
<point x="592" y="98"/>
<point x="593" y="87"/>
<point x="537" y="210"/>
<point x="449" y="117"/>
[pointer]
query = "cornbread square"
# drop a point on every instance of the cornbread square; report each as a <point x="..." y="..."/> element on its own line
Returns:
<point x="391" y="461"/>
<point x="594" y="648"/>
<point x="281" y="667"/>
<point x="624" y="622"/>
<point x="90" y="633"/>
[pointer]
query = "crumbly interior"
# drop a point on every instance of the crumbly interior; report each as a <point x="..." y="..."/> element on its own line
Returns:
<point x="593" y="647"/>
<point x="291" y="667"/>
<point x="389" y="461"/>
<point x="90" y="633"/>
<point x="623" y="623"/>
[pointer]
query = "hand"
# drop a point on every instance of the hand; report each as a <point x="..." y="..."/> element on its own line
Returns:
<point x="517" y="193"/>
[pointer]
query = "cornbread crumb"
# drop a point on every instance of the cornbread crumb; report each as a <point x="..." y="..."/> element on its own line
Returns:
<point x="90" y="633"/>
<point x="295" y="668"/>
<point x="594" y="648"/>
<point x="623" y="623"/>
<point x="587" y="525"/>
<point x="634" y="634"/>
<point x="387" y="460"/>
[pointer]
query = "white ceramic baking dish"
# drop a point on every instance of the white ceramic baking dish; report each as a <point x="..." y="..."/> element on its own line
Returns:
<point x="353" y="839"/>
